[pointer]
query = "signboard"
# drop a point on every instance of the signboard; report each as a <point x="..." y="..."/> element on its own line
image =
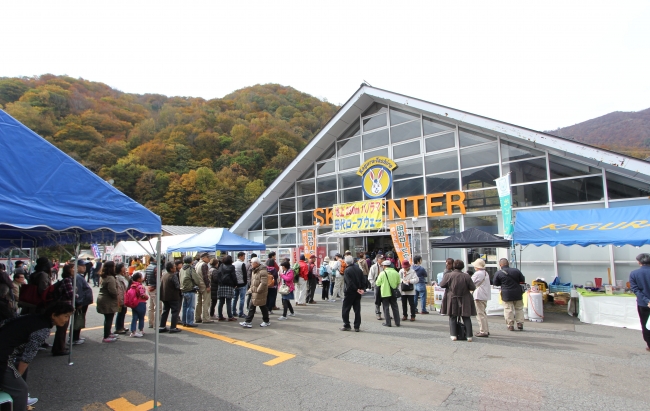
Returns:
<point x="95" y="249"/>
<point x="360" y="215"/>
<point x="309" y="242"/>
<point x="377" y="176"/>
<point x="505" y="197"/>
<point x="401" y="241"/>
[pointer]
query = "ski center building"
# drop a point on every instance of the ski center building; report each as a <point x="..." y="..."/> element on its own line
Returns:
<point x="432" y="169"/>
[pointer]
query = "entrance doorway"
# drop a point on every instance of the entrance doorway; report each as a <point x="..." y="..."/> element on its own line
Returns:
<point x="372" y="244"/>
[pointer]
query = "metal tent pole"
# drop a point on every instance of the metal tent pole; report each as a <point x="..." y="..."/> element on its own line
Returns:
<point x="156" y="326"/>
<point x="74" y="294"/>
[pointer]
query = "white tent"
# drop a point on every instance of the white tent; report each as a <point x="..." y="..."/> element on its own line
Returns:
<point x="134" y="248"/>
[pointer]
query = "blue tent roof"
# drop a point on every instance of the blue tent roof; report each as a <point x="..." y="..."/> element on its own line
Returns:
<point x="214" y="239"/>
<point x="602" y="226"/>
<point x="46" y="197"/>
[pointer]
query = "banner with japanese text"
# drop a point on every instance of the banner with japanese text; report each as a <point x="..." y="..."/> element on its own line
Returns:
<point x="505" y="197"/>
<point x="357" y="216"/>
<point x="400" y="241"/>
<point x="309" y="242"/>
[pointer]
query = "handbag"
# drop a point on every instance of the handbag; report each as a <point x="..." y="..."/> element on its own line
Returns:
<point x="284" y="289"/>
<point x="461" y="332"/>
<point x="79" y="320"/>
<point x="407" y="287"/>
<point x="393" y="291"/>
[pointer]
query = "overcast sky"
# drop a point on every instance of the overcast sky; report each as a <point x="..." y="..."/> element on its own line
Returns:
<point x="540" y="65"/>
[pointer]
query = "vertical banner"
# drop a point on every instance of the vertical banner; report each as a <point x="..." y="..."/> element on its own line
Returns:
<point x="309" y="242"/>
<point x="400" y="240"/>
<point x="505" y="197"/>
<point x="95" y="249"/>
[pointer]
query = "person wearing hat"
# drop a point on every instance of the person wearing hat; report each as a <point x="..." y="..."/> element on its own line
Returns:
<point x="325" y="273"/>
<point x="408" y="278"/>
<point x="388" y="281"/>
<point x="204" y="297"/>
<point x="482" y="294"/>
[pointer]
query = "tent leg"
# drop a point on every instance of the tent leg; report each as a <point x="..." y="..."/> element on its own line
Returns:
<point x="74" y="288"/>
<point x="156" y="326"/>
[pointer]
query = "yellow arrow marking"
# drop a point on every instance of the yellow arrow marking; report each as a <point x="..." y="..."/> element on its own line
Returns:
<point x="122" y="404"/>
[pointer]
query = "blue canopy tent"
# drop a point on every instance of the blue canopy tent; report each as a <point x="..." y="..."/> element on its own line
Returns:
<point x="604" y="226"/>
<point x="48" y="198"/>
<point x="216" y="239"/>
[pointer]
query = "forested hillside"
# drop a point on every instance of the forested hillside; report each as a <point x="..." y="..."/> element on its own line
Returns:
<point x="190" y="160"/>
<point x="625" y="132"/>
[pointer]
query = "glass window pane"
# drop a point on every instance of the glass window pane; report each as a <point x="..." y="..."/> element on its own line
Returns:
<point x="306" y="218"/>
<point x="326" y="199"/>
<point x="288" y="220"/>
<point x="406" y="150"/>
<point x="511" y="151"/>
<point x="271" y="237"/>
<point x="349" y="162"/>
<point x="432" y="126"/>
<point x="287" y="237"/>
<point x="480" y="177"/>
<point x="257" y="236"/>
<point x="478" y="156"/>
<point x="406" y="169"/>
<point x="308" y="174"/>
<point x="382" y="152"/>
<point x="577" y="190"/>
<point x="407" y="188"/>
<point x="257" y="225"/>
<point x="482" y="200"/>
<point x="291" y="192"/>
<point x="288" y="206"/>
<point x="441" y="142"/>
<point x="526" y="171"/>
<point x="621" y="187"/>
<point x="354" y="194"/>
<point x="273" y="209"/>
<point x="375" y="139"/>
<point x="374" y="109"/>
<point x="305" y="187"/>
<point x="400" y="116"/>
<point x="441" y="162"/>
<point x="348" y="180"/>
<point x="353" y="130"/>
<point x="350" y="146"/>
<point x="530" y="195"/>
<point x="441" y="183"/>
<point x="405" y="131"/>
<point x="325" y="168"/>
<point x="326" y="183"/>
<point x="487" y="223"/>
<point x="470" y="138"/>
<point x="443" y="226"/>
<point x="374" y="122"/>
<point x="562" y="167"/>
<point x="307" y="203"/>
<point x="329" y="153"/>
<point x="271" y="222"/>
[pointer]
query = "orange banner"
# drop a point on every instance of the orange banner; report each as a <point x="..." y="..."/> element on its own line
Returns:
<point x="309" y="242"/>
<point x="401" y="241"/>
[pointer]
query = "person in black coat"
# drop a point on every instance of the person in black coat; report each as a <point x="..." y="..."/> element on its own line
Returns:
<point x="510" y="280"/>
<point x="355" y="286"/>
<point x="227" y="280"/>
<point x="20" y="339"/>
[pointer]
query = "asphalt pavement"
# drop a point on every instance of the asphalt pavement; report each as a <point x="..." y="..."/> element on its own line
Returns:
<point x="306" y="363"/>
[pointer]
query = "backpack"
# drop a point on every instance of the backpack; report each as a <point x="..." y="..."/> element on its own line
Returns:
<point x="131" y="299"/>
<point x="271" y="281"/>
<point x="296" y="273"/>
<point x="323" y="271"/>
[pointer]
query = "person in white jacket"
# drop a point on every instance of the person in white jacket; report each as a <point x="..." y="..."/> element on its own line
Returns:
<point x="482" y="294"/>
<point x="373" y="274"/>
<point x="409" y="277"/>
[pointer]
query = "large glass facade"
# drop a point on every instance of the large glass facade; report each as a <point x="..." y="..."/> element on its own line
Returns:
<point x="435" y="155"/>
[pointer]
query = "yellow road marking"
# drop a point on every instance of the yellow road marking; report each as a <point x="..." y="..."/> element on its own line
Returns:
<point x="279" y="355"/>
<point x="122" y="404"/>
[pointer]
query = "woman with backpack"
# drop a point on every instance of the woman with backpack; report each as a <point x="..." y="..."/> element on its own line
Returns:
<point x="325" y="274"/>
<point x="107" y="300"/>
<point x="136" y="298"/>
<point x="226" y="291"/>
<point x="286" y="275"/>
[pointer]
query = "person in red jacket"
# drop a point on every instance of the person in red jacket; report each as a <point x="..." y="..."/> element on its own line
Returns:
<point x="302" y="281"/>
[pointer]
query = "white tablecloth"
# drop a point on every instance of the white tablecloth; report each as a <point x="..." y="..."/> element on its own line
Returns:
<point x="493" y="305"/>
<point x="609" y="310"/>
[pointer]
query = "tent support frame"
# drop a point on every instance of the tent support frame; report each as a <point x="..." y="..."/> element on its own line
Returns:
<point x="74" y="295"/>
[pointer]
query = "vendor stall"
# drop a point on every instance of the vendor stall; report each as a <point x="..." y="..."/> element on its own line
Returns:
<point x="617" y="310"/>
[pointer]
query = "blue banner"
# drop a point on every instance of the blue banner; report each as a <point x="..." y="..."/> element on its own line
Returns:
<point x="602" y="226"/>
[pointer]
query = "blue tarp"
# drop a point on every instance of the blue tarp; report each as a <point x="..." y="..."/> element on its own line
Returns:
<point x="602" y="226"/>
<point x="46" y="197"/>
<point x="214" y="239"/>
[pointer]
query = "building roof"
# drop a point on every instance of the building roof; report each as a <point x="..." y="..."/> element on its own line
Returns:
<point x="182" y="229"/>
<point x="367" y="95"/>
